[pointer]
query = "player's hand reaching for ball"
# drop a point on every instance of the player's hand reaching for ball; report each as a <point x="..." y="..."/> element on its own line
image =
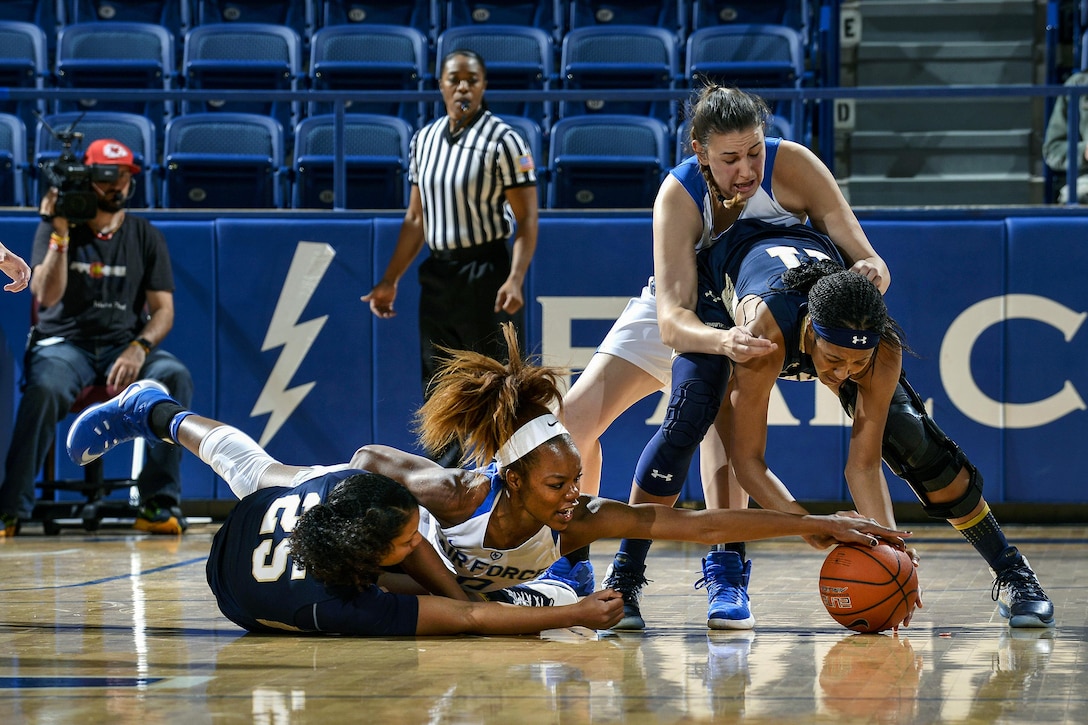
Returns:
<point x="600" y="610"/>
<point x="850" y="527"/>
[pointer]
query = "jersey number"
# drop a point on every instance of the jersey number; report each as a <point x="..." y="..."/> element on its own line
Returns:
<point x="269" y="564"/>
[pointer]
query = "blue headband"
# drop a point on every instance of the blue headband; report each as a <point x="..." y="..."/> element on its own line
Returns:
<point x="854" y="339"/>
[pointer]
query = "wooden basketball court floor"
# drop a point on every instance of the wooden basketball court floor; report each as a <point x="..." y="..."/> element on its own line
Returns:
<point x="121" y="628"/>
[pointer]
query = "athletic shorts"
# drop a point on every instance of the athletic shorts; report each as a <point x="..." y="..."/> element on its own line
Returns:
<point x="636" y="338"/>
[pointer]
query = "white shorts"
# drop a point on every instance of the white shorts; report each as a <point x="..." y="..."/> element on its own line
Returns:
<point x="636" y="338"/>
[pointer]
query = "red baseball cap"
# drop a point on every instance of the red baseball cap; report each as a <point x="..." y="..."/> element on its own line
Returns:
<point x="109" y="151"/>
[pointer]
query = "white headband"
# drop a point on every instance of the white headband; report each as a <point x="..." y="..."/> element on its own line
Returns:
<point x="527" y="437"/>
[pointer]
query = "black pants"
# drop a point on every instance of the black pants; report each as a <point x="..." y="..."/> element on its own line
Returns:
<point x="457" y="302"/>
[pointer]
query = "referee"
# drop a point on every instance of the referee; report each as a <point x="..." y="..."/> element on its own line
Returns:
<point x="473" y="187"/>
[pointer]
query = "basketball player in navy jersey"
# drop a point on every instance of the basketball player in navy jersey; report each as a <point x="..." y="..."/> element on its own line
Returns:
<point x="788" y="285"/>
<point x="305" y="549"/>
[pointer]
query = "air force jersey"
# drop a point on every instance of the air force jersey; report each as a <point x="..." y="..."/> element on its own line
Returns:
<point x="762" y="205"/>
<point x="259" y="588"/>
<point x="749" y="260"/>
<point x="479" y="568"/>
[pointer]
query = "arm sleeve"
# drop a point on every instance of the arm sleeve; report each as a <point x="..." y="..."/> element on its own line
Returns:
<point x="373" y="613"/>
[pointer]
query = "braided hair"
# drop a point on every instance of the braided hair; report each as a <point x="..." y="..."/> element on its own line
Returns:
<point x="719" y="110"/>
<point x="479" y="402"/>
<point x="342" y="540"/>
<point x="843" y="298"/>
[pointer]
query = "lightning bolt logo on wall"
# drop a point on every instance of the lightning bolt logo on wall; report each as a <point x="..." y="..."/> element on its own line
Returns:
<point x="308" y="267"/>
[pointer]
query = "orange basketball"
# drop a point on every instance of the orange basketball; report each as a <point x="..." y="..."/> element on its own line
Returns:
<point x="868" y="588"/>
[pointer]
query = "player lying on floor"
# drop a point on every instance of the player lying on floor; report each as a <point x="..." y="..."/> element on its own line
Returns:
<point x="307" y="548"/>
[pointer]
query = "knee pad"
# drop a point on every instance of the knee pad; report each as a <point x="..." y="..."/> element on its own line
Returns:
<point x="919" y="452"/>
<point x="663" y="466"/>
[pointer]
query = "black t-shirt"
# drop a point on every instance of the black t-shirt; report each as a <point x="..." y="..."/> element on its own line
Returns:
<point x="107" y="282"/>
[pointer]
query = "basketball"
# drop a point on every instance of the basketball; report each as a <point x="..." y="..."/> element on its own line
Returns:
<point x="868" y="588"/>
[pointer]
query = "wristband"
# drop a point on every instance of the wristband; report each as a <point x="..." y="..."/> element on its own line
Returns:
<point x="58" y="243"/>
<point x="62" y="248"/>
<point x="142" y="342"/>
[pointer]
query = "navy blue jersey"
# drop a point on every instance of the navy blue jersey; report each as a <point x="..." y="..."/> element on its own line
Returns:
<point x="259" y="588"/>
<point x="750" y="260"/>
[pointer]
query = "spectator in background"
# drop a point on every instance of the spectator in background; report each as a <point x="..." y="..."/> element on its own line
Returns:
<point x="1056" y="141"/>
<point x="105" y="292"/>
<point x="473" y="187"/>
<point x="14" y="267"/>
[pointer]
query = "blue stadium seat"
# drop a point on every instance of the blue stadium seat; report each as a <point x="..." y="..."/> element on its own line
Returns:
<point x="620" y="57"/>
<point x="795" y="14"/>
<point x="176" y="17"/>
<point x="375" y="157"/>
<point x="23" y="64"/>
<point x="223" y="160"/>
<point x="547" y="15"/>
<point x="13" y="161"/>
<point x="750" y="56"/>
<point x="776" y="126"/>
<point x="517" y="57"/>
<point x="423" y="15"/>
<point x="671" y="15"/>
<point x="133" y="130"/>
<point x="243" y="56"/>
<point x="117" y="55"/>
<point x="49" y="15"/>
<point x="299" y="15"/>
<point x="607" y="162"/>
<point x="534" y="136"/>
<point x="373" y="58"/>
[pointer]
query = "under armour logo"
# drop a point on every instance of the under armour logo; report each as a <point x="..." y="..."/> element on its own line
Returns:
<point x="658" y="474"/>
<point x="863" y="339"/>
<point x="711" y="296"/>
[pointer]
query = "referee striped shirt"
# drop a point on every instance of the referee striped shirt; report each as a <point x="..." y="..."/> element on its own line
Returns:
<point x="462" y="179"/>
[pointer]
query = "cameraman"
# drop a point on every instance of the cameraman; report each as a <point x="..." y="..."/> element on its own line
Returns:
<point x="104" y="289"/>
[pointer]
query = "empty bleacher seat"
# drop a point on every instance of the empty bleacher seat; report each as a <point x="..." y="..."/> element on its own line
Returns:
<point x="670" y="15"/>
<point x="632" y="57"/>
<point x="533" y="135"/>
<point x="548" y="15"/>
<point x="223" y="160"/>
<point x="607" y="162"/>
<point x="792" y="13"/>
<point x="23" y="64"/>
<point x="750" y="56"/>
<point x="133" y="130"/>
<point x="243" y="56"/>
<point x="175" y="16"/>
<point x="13" y="160"/>
<point x="423" y="15"/>
<point x="517" y="57"/>
<point x="299" y="15"/>
<point x="48" y="15"/>
<point x="117" y="55"/>
<point x="375" y="160"/>
<point x="372" y="58"/>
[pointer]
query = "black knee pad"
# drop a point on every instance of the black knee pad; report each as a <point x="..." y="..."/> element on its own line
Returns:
<point x="920" y="453"/>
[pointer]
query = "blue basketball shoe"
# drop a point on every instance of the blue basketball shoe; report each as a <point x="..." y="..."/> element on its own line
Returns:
<point x="120" y="419"/>
<point x="725" y="577"/>
<point x="579" y="577"/>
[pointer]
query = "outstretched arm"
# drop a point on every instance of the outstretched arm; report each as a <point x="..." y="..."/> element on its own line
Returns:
<point x="438" y="615"/>
<point x="604" y="518"/>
